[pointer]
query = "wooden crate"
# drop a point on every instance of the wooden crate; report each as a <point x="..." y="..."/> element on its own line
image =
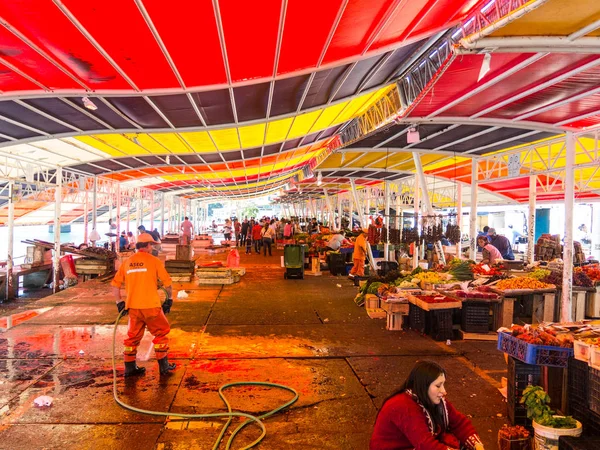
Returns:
<point x="91" y="266"/>
<point x="222" y="280"/>
<point x="183" y="252"/>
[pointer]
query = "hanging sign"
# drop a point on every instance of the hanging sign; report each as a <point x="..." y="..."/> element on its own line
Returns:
<point x="514" y="165"/>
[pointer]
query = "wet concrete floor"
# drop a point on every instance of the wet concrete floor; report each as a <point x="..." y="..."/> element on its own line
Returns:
<point x="307" y="334"/>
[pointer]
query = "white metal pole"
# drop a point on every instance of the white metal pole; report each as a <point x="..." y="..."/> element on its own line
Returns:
<point x="152" y="210"/>
<point x="416" y="207"/>
<point x="57" y="210"/>
<point x="128" y="212"/>
<point x="473" y="211"/>
<point x="170" y="215"/>
<point x="10" y="288"/>
<point x="387" y="222"/>
<point x="357" y="203"/>
<point x="138" y="215"/>
<point x="531" y="219"/>
<point x="567" y="285"/>
<point x="595" y="230"/>
<point x="339" y="211"/>
<point x="86" y="211"/>
<point x="118" y="215"/>
<point x="427" y="201"/>
<point x="95" y="204"/>
<point x="459" y="221"/>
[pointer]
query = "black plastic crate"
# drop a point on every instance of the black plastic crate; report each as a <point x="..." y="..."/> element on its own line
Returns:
<point x="594" y="390"/>
<point x="578" y="443"/>
<point x="591" y="424"/>
<point x="439" y="324"/>
<point x="385" y="267"/>
<point x="520" y="375"/>
<point x="336" y="263"/>
<point x="416" y="318"/>
<point x="475" y="317"/>
<point x="578" y="378"/>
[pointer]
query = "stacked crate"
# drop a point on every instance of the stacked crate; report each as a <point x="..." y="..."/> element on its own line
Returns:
<point x="180" y="270"/>
<point x="520" y="375"/>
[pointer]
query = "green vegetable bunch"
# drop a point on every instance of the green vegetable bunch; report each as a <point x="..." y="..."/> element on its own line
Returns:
<point x="537" y="400"/>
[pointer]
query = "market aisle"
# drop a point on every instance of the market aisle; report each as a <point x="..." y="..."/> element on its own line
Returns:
<point x="307" y="334"/>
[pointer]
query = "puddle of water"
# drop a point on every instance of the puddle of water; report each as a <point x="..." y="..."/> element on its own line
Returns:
<point x="7" y="322"/>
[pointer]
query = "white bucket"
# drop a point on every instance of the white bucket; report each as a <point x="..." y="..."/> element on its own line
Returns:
<point x="546" y="438"/>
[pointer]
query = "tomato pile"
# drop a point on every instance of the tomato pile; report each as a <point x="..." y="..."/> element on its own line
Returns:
<point x="480" y="270"/>
<point x="593" y="272"/>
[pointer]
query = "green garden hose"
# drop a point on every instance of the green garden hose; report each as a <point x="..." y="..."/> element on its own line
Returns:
<point x="229" y="414"/>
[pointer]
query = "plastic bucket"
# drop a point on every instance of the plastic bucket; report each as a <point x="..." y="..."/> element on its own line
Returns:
<point x="546" y="438"/>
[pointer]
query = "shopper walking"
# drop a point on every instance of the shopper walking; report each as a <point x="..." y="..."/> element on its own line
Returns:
<point x="141" y="273"/>
<point x="257" y="237"/>
<point x="268" y="235"/>
<point x="244" y="231"/>
<point x="360" y="255"/>
<point x="237" y="229"/>
<point x="187" y="230"/>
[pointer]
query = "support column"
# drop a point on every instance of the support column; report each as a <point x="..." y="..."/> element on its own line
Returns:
<point x="57" y="202"/>
<point x="427" y="202"/>
<point x="85" y="216"/>
<point x="140" y="205"/>
<point x="595" y="230"/>
<point x="459" y="202"/>
<point x="152" y="210"/>
<point x="357" y="203"/>
<point x="340" y="211"/>
<point x="118" y="215"/>
<point x="531" y="219"/>
<point x="95" y="204"/>
<point x="387" y="222"/>
<point x="416" y="207"/>
<point x="10" y="288"/>
<point x="170" y="214"/>
<point x="128" y="212"/>
<point x="567" y="286"/>
<point x="473" y="212"/>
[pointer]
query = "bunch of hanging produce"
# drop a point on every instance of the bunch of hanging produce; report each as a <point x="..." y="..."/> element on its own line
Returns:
<point x="432" y="230"/>
<point x="374" y="235"/>
<point x="453" y="233"/>
<point x="384" y="235"/>
<point x="394" y="236"/>
<point x="410" y="235"/>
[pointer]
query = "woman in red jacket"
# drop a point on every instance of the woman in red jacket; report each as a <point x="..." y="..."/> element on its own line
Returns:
<point x="418" y="417"/>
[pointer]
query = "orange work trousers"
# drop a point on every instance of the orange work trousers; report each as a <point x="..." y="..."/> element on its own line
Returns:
<point x="155" y="320"/>
<point x="358" y="268"/>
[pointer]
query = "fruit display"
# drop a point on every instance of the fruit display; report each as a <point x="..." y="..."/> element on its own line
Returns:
<point x="542" y="336"/>
<point x="539" y="274"/>
<point x="593" y="272"/>
<point x="510" y="284"/>
<point x="405" y="284"/>
<point x="580" y="278"/>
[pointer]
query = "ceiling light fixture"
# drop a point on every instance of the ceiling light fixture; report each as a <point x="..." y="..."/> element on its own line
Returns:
<point x="168" y="159"/>
<point x="89" y="104"/>
<point x="413" y="136"/>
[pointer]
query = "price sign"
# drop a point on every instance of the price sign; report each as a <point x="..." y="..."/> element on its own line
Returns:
<point x="514" y="165"/>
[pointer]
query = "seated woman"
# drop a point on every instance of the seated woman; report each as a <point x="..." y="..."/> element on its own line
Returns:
<point x="491" y="255"/>
<point x="418" y="417"/>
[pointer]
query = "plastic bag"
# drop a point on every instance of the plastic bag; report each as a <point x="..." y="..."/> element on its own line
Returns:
<point x="233" y="259"/>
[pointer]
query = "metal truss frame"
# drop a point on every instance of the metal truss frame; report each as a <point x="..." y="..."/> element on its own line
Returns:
<point x="374" y="118"/>
<point x="532" y="160"/>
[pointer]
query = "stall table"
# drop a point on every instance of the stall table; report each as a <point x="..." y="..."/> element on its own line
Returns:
<point x="542" y="303"/>
<point x="19" y="272"/>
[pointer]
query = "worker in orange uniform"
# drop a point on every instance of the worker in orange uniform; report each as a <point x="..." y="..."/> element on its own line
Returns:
<point x="360" y="255"/>
<point x="141" y="273"/>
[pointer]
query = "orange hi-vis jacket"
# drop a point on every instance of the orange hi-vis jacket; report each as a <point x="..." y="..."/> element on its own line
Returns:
<point x="141" y="273"/>
<point x="360" y="247"/>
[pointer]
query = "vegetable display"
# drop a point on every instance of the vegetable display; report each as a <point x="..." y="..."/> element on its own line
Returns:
<point x="539" y="274"/>
<point x="461" y="271"/>
<point x="479" y="269"/>
<point x="537" y="400"/>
